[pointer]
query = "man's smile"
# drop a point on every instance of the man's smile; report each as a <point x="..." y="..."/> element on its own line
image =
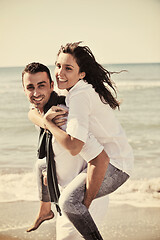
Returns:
<point x="37" y="99"/>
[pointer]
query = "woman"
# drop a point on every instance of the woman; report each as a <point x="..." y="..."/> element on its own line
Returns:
<point x="91" y="105"/>
<point x="38" y="88"/>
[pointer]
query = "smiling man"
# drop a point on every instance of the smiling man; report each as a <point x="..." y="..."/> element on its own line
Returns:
<point x="38" y="86"/>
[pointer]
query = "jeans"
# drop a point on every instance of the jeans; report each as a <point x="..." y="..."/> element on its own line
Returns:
<point x="42" y="189"/>
<point x="65" y="230"/>
<point x="71" y="201"/>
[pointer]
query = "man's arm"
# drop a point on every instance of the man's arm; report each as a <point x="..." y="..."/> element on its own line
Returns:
<point x="95" y="174"/>
<point x="36" y="118"/>
<point x="93" y="153"/>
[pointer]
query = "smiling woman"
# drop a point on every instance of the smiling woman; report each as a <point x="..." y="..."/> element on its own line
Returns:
<point x="91" y="104"/>
<point x="67" y="71"/>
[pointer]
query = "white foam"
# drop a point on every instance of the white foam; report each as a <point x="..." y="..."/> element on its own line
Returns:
<point x="23" y="187"/>
<point x="139" y="193"/>
<point x="17" y="187"/>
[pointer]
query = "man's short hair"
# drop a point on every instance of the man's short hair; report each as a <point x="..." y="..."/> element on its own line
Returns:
<point x="36" y="67"/>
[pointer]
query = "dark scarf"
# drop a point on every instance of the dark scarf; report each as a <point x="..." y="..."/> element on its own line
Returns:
<point x="45" y="150"/>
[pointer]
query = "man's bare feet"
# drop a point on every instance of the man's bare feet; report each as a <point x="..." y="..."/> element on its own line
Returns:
<point x="40" y="220"/>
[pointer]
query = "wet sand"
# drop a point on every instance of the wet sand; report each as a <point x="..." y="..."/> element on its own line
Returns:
<point x="122" y="222"/>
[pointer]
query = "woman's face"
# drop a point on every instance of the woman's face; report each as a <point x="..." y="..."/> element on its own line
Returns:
<point x="67" y="71"/>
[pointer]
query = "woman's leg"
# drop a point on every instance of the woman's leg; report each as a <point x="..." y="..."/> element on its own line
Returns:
<point x="42" y="189"/>
<point x="45" y="212"/>
<point x="71" y="200"/>
<point x="71" y="204"/>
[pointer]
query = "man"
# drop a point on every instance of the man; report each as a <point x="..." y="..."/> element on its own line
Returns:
<point x="38" y="87"/>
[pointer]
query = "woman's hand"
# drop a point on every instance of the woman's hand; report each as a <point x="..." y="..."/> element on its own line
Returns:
<point x="73" y="145"/>
<point x="60" y="120"/>
<point x="54" y="114"/>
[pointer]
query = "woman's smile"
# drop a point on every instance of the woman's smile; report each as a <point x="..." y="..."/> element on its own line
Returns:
<point x="67" y="71"/>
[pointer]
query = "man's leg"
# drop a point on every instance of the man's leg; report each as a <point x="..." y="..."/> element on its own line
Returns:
<point x="45" y="212"/>
<point x="65" y="229"/>
<point x="71" y="201"/>
<point x="98" y="209"/>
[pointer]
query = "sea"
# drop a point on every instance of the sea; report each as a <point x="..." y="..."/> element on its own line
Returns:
<point x="138" y="89"/>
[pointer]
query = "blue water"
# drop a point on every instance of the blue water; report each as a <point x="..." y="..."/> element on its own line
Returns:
<point x="139" y="92"/>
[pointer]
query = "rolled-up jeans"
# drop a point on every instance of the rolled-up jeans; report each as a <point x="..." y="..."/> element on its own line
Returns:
<point x="65" y="230"/>
<point x="42" y="189"/>
<point x="71" y="200"/>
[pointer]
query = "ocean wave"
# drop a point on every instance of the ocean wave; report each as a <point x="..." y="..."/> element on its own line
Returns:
<point x="23" y="187"/>
<point x="138" y="193"/>
<point x="18" y="187"/>
<point x="129" y="85"/>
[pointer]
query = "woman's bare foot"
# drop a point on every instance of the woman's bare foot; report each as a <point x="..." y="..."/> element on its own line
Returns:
<point x="40" y="220"/>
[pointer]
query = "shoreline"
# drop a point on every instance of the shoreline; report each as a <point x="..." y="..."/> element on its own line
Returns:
<point x="122" y="222"/>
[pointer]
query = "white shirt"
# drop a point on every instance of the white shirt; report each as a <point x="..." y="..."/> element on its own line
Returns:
<point x="68" y="166"/>
<point x="87" y="114"/>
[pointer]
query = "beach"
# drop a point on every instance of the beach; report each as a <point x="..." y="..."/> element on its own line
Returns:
<point x="134" y="209"/>
<point x="122" y="222"/>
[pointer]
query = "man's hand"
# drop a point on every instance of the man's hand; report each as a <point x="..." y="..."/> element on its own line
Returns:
<point x="44" y="173"/>
<point x="45" y="180"/>
<point x="95" y="175"/>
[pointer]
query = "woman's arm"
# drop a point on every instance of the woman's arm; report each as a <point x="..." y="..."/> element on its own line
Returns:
<point x="51" y="121"/>
<point x="95" y="175"/>
<point x="36" y="118"/>
<point x="71" y="144"/>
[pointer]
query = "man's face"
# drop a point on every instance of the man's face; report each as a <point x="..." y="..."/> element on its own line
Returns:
<point x="37" y="88"/>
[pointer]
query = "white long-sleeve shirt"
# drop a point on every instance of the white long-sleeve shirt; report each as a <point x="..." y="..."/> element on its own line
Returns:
<point x="87" y="114"/>
<point x="68" y="166"/>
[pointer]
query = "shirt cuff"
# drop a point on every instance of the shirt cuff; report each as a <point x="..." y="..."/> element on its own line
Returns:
<point x="91" y="149"/>
<point x="76" y="131"/>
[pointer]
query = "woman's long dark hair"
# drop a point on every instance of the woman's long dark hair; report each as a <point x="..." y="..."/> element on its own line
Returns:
<point x="95" y="73"/>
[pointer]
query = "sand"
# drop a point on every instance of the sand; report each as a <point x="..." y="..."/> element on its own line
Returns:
<point x="122" y="222"/>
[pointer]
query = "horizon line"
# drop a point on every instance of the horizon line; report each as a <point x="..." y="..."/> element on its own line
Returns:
<point x="122" y="63"/>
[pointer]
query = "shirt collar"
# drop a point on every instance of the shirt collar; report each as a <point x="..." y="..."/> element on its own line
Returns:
<point x="78" y="85"/>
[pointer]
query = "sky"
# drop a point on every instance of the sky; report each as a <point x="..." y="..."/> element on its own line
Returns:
<point x="117" y="31"/>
